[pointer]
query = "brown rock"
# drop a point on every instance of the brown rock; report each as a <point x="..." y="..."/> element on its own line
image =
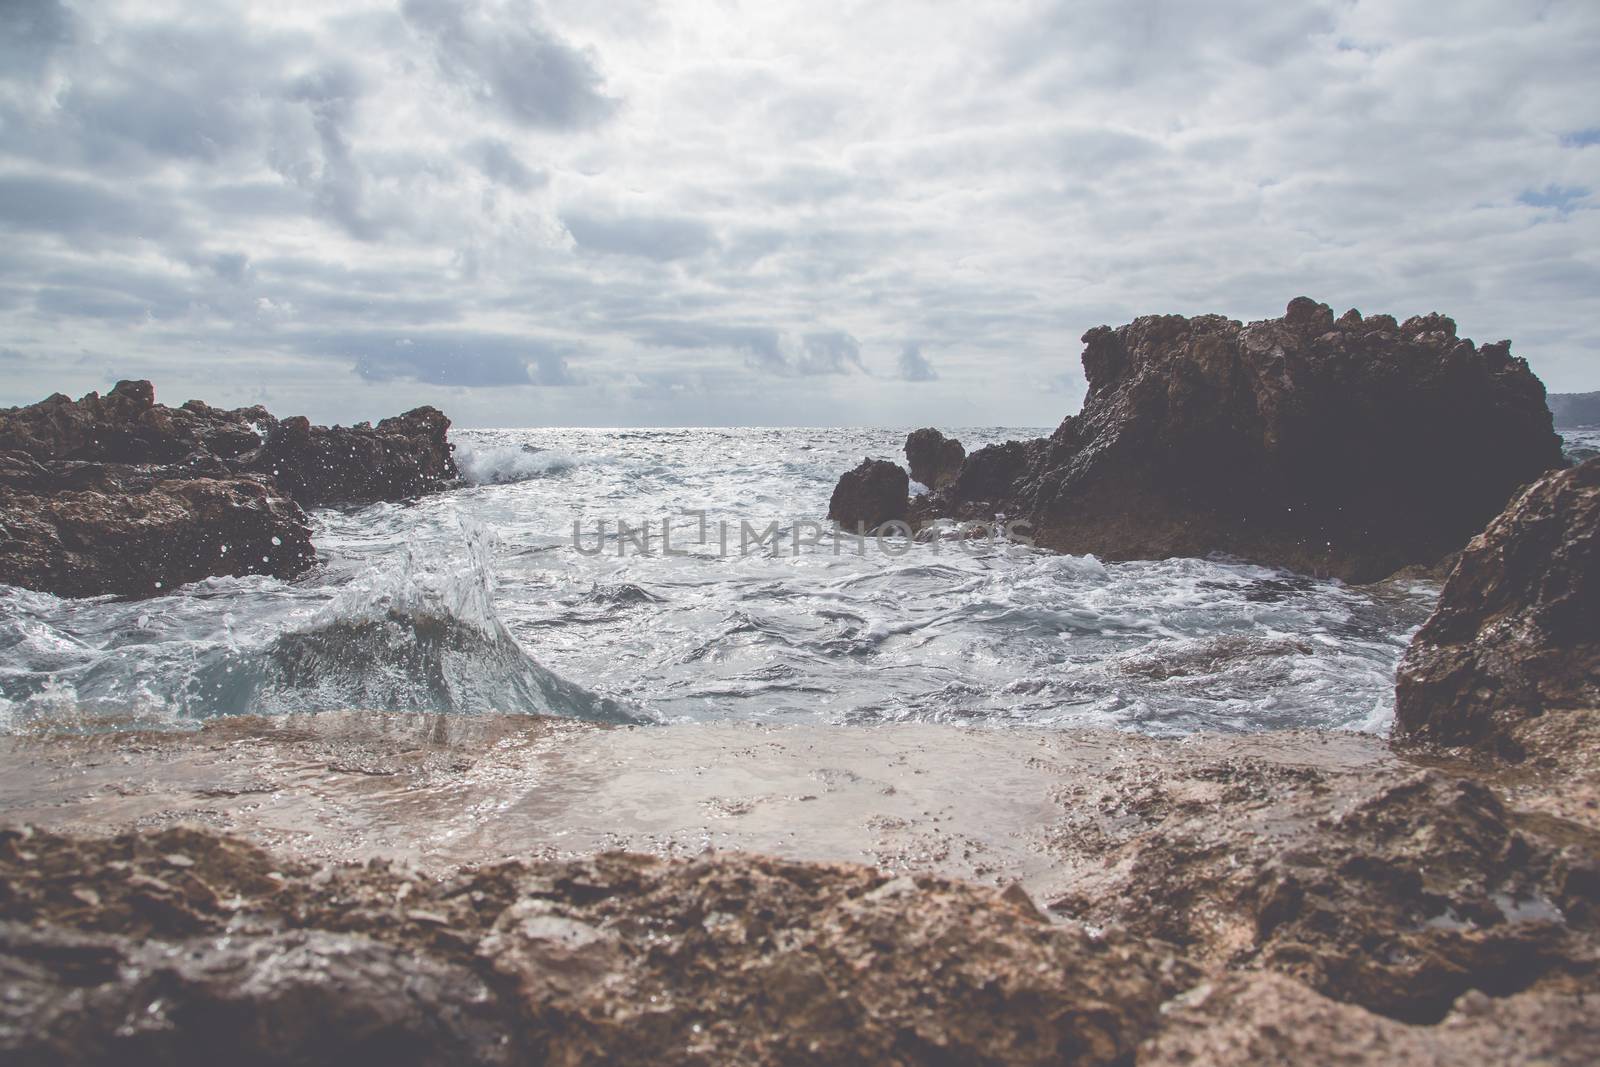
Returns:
<point x="1395" y="890"/>
<point x="140" y="532"/>
<point x="935" y="459"/>
<point x="1270" y="1019"/>
<point x="872" y="494"/>
<point x="619" y="959"/>
<point x="401" y="457"/>
<point x="1350" y="448"/>
<point x="119" y="494"/>
<point x="1516" y="635"/>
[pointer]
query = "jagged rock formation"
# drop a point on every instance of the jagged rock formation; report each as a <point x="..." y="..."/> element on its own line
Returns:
<point x="119" y="494"/>
<point x="935" y="459"/>
<point x="401" y="457"/>
<point x="1575" y="409"/>
<point x="1516" y="635"/>
<point x="1350" y="447"/>
<point x="874" y="493"/>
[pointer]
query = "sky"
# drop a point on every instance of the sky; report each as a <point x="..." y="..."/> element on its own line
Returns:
<point x="623" y="213"/>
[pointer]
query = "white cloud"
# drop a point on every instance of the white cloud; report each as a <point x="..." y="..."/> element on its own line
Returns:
<point x="640" y="212"/>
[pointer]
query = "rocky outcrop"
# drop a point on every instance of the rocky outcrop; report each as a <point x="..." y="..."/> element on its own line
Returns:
<point x="1575" y="409"/>
<point x="935" y="459"/>
<point x="315" y="465"/>
<point x="1516" y="635"/>
<point x="81" y="529"/>
<point x="1348" y="447"/>
<point x="119" y="494"/>
<point x="874" y="493"/>
<point x="401" y="457"/>
<point x="163" y="947"/>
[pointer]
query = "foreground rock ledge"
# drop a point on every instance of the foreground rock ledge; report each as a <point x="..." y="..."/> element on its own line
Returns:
<point x="1309" y="897"/>
<point x="183" y="943"/>
<point x="119" y="494"/>
<point x="1350" y="447"/>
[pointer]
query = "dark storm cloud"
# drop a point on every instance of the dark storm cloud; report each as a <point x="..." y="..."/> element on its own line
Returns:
<point x="649" y="236"/>
<point x="512" y="63"/>
<point x="914" y="366"/>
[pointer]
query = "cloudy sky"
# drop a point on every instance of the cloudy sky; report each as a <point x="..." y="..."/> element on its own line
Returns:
<point x="723" y="212"/>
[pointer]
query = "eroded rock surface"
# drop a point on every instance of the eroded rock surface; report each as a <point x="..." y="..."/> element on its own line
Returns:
<point x="1516" y="636"/>
<point x="120" y="494"/>
<point x="1283" y="894"/>
<point x="1270" y="1019"/>
<point x="154" y="947"/>
<point x="1350" y="447"/>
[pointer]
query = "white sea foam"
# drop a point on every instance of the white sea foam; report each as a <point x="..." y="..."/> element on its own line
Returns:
<point x="487" y="463"/>
<point x="418" y="606"/>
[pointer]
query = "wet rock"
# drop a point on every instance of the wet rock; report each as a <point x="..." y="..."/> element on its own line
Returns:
<point x="935" y="459"/>
<point x="401" y="457"/>
<point x="120" y="494"/>
<point x="874" y="493"/>
<point x="142" y="531"/>
<point x="1516" y="635"/>
<point x="1350" y="447"/>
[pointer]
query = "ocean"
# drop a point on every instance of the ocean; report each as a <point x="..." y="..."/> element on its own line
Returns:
<point x="532" y="590"/>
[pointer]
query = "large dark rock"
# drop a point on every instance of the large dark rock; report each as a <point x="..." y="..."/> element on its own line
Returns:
<point x="1575" y="409"/>
<point x="935" y="459"/>
<point x="872" y="494"/>
<point x="1349" y="448"/>
<point x="90" y="529"/>
<point x="120" y="494"/>
<point x="404" y="456"/>
<point x="1516" y="635"/>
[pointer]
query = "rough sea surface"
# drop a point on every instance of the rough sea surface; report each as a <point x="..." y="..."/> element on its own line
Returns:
<point x="480" y="600"/>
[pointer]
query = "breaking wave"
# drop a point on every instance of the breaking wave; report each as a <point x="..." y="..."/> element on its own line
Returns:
<point x="488" y="463"/>
<point x="419" y="635"/>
